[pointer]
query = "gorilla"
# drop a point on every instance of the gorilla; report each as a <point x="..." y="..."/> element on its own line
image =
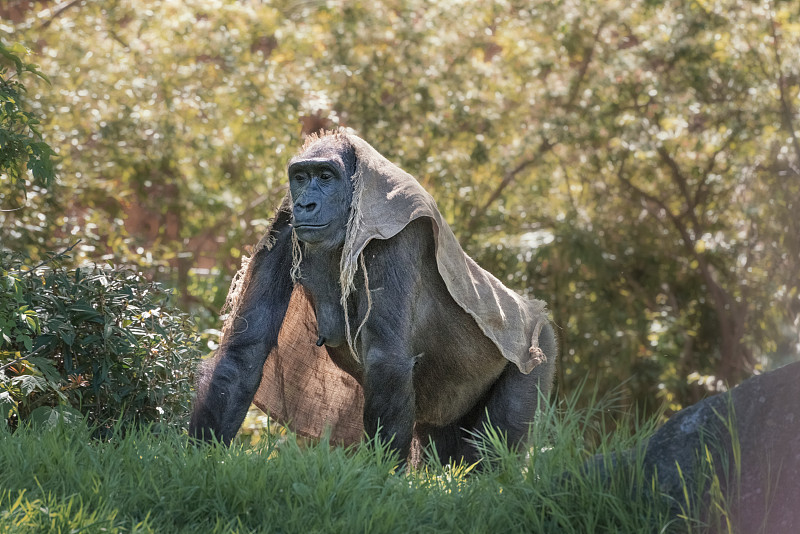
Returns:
<point x="438" y="346"/>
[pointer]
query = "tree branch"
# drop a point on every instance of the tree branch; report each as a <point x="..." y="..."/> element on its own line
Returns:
<point x="49" y="259"/>
<point x="644" y="195"/>
<point x="59" y="10"/>
<point x="508" y="178"/>
<point x="787" y="115"/>
<point x="20" y="359"/>
<point x="545" y="145"/>
<point x="701" y="191"/>
<point x="683" y="185"/>
<point x="588" y="54"/>
<point x="731" y="314"/>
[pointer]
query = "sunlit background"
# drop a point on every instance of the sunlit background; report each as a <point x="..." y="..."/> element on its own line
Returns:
<point x="636" y="164"/>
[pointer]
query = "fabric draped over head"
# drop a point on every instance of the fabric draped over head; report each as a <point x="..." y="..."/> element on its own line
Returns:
<point x="300" y="384"/>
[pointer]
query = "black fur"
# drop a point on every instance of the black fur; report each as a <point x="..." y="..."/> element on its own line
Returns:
<point x="225" y="392"/>
<point x="425" y="364"/>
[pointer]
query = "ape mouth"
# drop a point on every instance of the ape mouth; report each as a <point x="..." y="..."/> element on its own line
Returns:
<point x="305" y="226"/>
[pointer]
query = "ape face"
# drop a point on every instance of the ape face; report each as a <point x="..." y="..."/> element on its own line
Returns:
<point x="321" y="193"/>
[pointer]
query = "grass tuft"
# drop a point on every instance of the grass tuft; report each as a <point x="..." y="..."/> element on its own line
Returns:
<point x="62" y="480"/>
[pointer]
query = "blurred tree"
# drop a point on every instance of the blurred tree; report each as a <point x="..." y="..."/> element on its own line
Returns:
<point x="634" y="163"/>
<point x="21" y="145"/>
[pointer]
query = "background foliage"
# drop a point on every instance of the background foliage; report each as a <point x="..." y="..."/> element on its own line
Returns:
<point x="99" y="344"/>
<point x="636" y="164"/>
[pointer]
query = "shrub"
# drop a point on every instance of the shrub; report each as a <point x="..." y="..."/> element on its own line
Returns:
<point x="102" y="342"/>
<point x="20" y="140"/>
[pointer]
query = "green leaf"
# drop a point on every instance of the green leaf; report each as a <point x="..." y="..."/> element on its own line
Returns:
<point x="12" y="54"/>
<point x="48" y="418"/>
<point x="29" y="384"/>
<point x="19" y="49"/>
<point x="47" y="368"/>
<point x="40" y="164"/>
<point x="83" y="312"/>
<point x="7" y="406"/>
<point x="68" y="336"/>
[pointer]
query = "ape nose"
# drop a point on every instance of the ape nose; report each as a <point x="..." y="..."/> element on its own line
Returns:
<point x="308" y="207"/>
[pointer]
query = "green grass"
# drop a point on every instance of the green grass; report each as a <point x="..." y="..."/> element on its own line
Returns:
<point x="61" y="480"/>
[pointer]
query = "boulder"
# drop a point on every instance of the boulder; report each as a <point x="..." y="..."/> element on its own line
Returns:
<point x="752" y="436"/>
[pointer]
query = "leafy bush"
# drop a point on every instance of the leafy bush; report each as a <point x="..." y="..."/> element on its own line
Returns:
<point x="101" y="342"/>
<point x="20" y="140"/>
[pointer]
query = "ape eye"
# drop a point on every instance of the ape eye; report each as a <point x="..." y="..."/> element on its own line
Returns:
<point x="326" y="176"/>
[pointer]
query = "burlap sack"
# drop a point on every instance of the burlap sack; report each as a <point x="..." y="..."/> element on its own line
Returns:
<point x="300" y="385"/>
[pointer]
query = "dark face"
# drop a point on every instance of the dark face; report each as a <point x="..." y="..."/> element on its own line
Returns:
<point x="322" y="192"/>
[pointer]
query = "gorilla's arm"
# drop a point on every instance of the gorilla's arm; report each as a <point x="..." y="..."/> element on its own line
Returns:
<point x="235" y="373"/>
<point x="387" y="336"/>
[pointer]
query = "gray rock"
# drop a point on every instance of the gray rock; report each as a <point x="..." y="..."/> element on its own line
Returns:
<point x="755" y="426"/>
